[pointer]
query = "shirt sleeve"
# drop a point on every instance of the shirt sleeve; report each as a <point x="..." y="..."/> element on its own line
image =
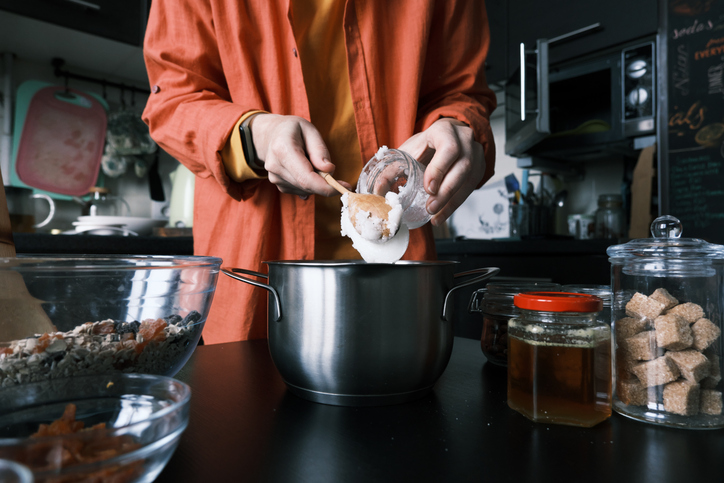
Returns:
<point x="233" y="157"/>
<point x="454" y="79"/>
<point x="189" y="112"/>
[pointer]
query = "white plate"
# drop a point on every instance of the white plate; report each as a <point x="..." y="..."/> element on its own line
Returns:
<point x="142" y="226"/>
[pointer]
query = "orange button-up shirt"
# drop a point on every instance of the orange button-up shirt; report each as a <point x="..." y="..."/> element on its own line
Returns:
<point x="211" y="61"/>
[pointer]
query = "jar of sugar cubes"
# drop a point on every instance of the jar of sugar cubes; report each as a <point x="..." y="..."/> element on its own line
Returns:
<point x="396" y="171"/>
<point x="667" y="322"/>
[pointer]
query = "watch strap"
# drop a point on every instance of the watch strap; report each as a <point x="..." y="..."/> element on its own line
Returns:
<point x="247" y="144"/>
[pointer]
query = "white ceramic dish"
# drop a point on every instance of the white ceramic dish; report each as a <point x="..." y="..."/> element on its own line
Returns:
<point x="136" y="224"/>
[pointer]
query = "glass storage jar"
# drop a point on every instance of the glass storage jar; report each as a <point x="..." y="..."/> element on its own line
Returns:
<point x="601" y="291"/>
<point x="495" y="302"/>
<point x="610" y="219"/>
<point x="396" y="171"/>
<point x="667" y="312"/>
<point x="559" y="359"/>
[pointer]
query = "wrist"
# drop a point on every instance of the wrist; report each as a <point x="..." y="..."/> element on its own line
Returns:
<point x="247" y="144"/>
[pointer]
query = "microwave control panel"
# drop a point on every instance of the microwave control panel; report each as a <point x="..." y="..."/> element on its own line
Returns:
<point x="638" y="83"/>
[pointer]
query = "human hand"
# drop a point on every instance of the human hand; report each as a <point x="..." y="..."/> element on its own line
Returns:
<point x="292" y="149"/>
<point x="455" y="165"/>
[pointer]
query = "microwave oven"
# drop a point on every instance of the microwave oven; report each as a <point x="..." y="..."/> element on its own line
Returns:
<point x="587" y="108"/>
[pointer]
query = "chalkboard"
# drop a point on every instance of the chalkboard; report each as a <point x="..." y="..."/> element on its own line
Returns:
<point x="695" y="51"/>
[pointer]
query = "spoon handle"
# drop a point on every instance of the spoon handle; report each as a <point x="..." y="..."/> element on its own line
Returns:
<point x="333" y="182"/>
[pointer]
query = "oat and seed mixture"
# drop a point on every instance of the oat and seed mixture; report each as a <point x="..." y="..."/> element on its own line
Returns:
<point x="151" y="346"/>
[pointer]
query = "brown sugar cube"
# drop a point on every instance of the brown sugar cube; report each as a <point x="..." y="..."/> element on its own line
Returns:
<point x="629" y="326"/>
<point x="662" y="295"/>
<point x="643" y="307"/>
<point x="710" y="381"/>
<point x="705" y="332"/>
<point x="642" y="346"/>
<point x="710" y="402"/>
<point x="632" y="392"/>
<point x="693" y="365"/>
<point x="682" y="397"/>
<point x="689" y="311"/>
<point x="656" y="372"/>
<point x="624" y="364"/>
<point x="673" y="332"/>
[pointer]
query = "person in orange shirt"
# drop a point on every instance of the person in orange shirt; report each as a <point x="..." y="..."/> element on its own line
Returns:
<point x="254" y="97"/>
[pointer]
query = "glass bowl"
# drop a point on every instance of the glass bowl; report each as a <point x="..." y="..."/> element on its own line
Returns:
<point x="131" y="426"/>
<point x="78" y="315"/>
<point x="12" y="472"/>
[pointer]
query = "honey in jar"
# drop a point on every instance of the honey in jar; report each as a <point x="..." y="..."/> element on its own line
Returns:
<point x="559" y="359"/>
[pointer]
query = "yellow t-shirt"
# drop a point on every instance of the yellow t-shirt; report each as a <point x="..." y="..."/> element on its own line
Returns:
<point x="319" y="32"/>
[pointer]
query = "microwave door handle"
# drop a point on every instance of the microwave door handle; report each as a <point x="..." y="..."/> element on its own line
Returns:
<point x="543" y="89"/>
<point x="522" y="82"/>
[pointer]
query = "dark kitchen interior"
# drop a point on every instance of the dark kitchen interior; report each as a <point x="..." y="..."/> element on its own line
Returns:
<point x="617" y="119"/>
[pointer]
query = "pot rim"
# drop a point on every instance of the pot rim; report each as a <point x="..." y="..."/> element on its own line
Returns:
<point x="348" y="263"/>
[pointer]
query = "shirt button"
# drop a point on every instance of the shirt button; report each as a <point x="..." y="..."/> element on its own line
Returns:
<point x="155" y="89"/>
<point x="294" y="51"/>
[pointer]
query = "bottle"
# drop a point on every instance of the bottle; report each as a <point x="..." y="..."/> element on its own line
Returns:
<point x="559" y="359"/>
<point x="610" y="219"/>
<point x="396" y="171"/>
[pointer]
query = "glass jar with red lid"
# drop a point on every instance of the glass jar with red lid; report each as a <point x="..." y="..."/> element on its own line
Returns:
<point x="559" y="359"/>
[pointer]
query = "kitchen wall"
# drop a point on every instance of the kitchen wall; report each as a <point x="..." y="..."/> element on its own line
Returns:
<point x="33" y="44"/>
<point x="485" y="213"/>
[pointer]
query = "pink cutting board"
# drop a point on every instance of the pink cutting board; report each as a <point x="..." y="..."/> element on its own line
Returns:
<point x="62" y="141"/>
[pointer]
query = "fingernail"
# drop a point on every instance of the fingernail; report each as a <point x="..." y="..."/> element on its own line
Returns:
<point x="433" y="207"/>
<point x="432" y="187"/>
<point x="303" y="197"/>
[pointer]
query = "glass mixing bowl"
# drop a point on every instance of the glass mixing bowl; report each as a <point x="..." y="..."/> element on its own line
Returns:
<point x="76" y="315"/>
<point x="131" y="425"/>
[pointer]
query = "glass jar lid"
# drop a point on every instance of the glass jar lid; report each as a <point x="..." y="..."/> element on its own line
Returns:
<point x="558" y="302"/>
<point x="666" y="244"/>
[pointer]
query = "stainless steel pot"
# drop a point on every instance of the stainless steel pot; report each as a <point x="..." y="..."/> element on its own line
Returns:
<point x="351" y="333"/>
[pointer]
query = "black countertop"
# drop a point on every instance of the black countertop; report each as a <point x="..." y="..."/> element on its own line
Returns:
<point x="183" y="245"/>
<point x="39" y="243"/>
<point x="245" y="426"/>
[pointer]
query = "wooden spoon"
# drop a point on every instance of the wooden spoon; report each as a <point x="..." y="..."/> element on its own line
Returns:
<point x="375" y="205"/>
<point x="22" y="314"/>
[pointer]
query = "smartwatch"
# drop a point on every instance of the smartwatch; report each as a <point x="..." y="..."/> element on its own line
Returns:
<point x="247" y="144"/>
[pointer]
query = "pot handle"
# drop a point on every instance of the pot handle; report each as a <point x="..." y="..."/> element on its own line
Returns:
<point x="232" y="272"/>
<point x="485" y="273"/>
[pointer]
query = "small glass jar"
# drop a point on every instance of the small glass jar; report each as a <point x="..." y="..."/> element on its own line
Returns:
<point x="610" y="219"/>
<point x="668" y="305"/>
<point x="559" y="359"/>
<point x="495" y="302"/>
<point x="396" y="171"/>
<point x="601" y="291"/>
<point x="103" y="203"/>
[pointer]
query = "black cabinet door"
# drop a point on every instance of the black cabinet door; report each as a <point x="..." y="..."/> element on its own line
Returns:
<point x="495" y="70"/>
<point x="120" y="20"/>
<point x="620" y="21"/>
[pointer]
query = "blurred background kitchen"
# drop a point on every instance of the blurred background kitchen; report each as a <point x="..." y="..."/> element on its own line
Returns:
<point x="610" y="113"/>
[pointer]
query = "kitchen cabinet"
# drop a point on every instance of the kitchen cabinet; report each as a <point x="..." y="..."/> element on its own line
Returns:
<point x="620" y="21"/>
<point x="123" y="21"/>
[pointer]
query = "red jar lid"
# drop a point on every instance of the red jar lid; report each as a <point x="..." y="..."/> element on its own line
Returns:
<point x="558" y="302"/>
